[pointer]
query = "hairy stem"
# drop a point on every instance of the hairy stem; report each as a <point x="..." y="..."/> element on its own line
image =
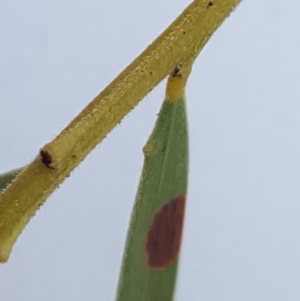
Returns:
<point x="179" y="43"/>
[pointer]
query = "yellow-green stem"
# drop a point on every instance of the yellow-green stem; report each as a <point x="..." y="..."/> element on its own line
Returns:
<point x="179" y="43"/>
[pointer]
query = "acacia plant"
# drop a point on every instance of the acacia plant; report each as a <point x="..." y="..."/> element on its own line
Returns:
<point x="153" y="243"/>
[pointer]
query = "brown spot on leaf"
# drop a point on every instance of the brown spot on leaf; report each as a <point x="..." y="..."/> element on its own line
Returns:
<point x="164" y="236"/>
<point x="210" y="3"/>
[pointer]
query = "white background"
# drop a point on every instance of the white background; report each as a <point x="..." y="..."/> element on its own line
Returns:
<point x="242" y="232"/>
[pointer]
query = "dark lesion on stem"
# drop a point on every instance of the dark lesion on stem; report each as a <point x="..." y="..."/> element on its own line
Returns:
<point x="176" y="72"/>
<point x="46" y="158"/>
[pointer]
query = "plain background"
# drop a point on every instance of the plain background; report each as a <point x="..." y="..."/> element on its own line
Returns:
<point x="242" y="231"/>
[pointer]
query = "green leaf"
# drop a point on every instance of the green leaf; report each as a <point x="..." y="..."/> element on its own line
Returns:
<point x="153" y="243"/>
<point x="8" y="177"/>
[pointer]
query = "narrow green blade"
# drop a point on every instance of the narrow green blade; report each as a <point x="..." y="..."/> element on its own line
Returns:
<point x="153" y="242"/>
<point x="8" y="177"/>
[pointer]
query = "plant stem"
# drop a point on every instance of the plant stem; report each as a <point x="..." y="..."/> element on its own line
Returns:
<point x="179" y="43"/>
